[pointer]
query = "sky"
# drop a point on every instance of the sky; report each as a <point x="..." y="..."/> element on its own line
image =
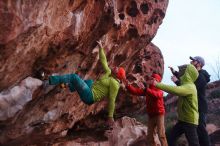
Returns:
<point x="190" y="28"/>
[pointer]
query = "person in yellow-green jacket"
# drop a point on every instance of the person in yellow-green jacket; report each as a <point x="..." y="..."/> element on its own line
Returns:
<point x="93" y="91"/>
<point x="187" y="105"/>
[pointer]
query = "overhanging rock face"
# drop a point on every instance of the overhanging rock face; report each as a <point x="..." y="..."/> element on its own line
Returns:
<point x="58" y="37"/>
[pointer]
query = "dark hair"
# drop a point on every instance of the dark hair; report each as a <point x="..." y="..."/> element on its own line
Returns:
<point x="182" y="70"/>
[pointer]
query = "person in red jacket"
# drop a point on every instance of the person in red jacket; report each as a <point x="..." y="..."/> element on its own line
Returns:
<point x="155" y="110"/>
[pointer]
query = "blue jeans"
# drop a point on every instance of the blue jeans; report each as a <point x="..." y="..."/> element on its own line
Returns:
<point x="188" y="129"/>
<point x="75" y="83"/>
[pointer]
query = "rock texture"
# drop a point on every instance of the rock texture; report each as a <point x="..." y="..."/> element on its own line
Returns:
<point x="126" y="132"/>
<point x="58" y="37"/>
<point x="14" y="99"/>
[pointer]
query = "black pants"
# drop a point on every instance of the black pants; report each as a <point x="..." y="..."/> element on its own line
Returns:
<point x="201" y="130"/>
<point x="190" y="131"/>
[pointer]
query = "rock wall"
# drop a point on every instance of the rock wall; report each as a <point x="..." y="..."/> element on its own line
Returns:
<point x="60" y="37"/>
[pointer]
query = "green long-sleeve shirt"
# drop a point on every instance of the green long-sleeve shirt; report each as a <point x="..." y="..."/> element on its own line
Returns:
<point x="106" y="85"/>
<point x="187" y="106"/>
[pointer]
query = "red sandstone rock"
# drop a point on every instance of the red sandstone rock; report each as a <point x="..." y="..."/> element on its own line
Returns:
<point x="59" y="36"/>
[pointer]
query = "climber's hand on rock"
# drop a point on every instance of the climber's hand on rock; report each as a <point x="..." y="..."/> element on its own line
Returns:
<point x="100" y="44"/>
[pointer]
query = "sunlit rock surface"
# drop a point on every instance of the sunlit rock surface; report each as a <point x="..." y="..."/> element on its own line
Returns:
<point x="60" y="37"/>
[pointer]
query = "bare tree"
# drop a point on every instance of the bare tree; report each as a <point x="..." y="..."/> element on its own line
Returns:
<point x="216" y="68"/>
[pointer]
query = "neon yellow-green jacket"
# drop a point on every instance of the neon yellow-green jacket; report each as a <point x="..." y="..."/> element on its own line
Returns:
<point x="187" y="106"/>
<point x="106" y="85"/>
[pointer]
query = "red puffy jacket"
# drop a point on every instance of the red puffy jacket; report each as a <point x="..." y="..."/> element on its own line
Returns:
<point x="154" y="97"/>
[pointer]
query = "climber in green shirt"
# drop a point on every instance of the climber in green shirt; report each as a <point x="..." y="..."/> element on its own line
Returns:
<point x="93" y="91"/>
